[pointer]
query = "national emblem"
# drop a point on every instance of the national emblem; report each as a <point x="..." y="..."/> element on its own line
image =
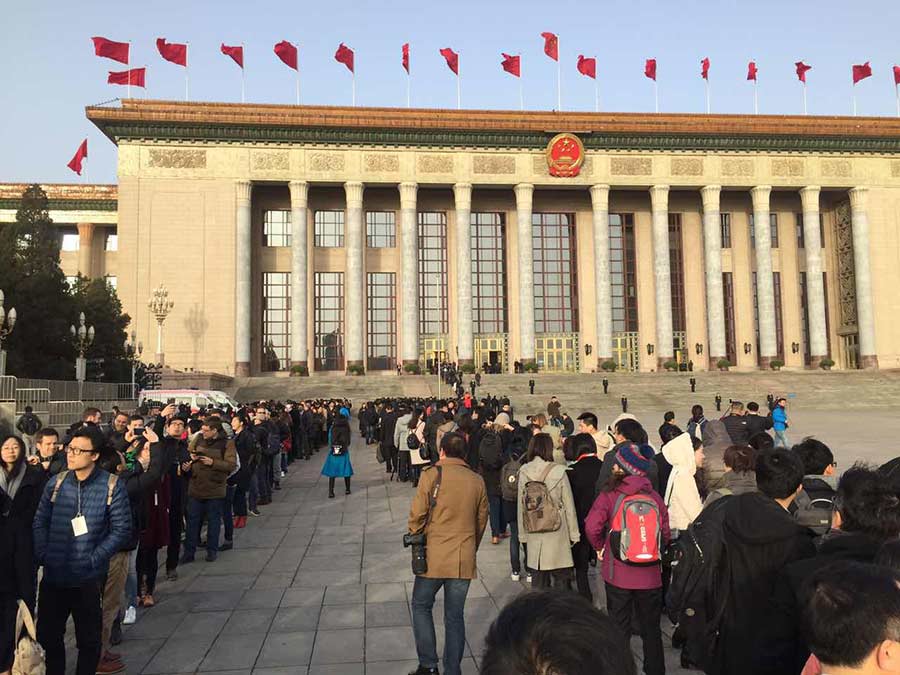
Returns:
<point x="565" y="155"/>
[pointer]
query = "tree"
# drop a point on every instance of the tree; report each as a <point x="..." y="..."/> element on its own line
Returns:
<point x="103" y="310"/>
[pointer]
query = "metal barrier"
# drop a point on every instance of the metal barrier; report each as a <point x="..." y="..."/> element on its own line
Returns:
<point x="8" y="388"/>
<point x="70" y="390"/>
<point x="64" y="413"/>
<point x="38" y="399"/>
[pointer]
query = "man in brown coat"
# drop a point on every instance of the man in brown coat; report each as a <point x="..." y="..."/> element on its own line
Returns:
<point x="453" y="531"/>
<point x="213" y="459"/>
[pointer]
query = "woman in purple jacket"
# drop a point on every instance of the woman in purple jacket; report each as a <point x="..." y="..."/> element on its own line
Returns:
<point x="627" y="585"/>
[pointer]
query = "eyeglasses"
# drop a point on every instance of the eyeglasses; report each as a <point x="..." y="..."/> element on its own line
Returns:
<point x="76" y="451"/>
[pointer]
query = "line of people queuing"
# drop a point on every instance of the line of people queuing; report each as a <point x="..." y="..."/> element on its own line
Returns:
<point x="87" y="511"/>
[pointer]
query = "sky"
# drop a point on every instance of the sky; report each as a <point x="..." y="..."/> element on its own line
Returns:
<point x="51" y="72"/>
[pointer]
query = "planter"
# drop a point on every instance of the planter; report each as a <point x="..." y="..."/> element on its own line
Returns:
<point x="826" y="364"/>
<point x="412" y="369"/>
<point x="608" y="366"/>
<point x="299" y="371"/>
<point x="356" y="370"/>
<point x="723" y="365"/>
<point x="776" y="364"/>
<point x="671" y="366"/>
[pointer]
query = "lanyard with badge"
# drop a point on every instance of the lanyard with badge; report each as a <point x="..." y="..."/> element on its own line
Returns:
<point x="79" y="524"/>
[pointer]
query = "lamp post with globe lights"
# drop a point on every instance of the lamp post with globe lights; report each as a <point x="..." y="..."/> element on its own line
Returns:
<point x="160" y="305"/>
<point x="133" y="351"/>
<point x="83" y="336"/>
<point x="7" y="323"/>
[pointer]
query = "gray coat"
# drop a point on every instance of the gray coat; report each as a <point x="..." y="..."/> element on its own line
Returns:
<point x="549" y="550"/>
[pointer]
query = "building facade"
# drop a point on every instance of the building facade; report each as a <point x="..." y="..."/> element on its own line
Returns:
<point x="340" y="237"/>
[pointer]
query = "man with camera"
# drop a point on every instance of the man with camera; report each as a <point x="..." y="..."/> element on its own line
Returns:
<point x="446" y="522"/>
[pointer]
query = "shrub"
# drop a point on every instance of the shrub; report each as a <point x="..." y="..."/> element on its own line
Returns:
<point x="776" y="364"/>
<point x="468" y="368"/>
<point x="825" y="364"/>
<point x="724" y="364"/>
<point x="608" y="366"/>
<point x="299" y="369"/>
<point x="413" y="368"/>
<point x="356" y="369"/>
<point x="671" y="364"/>
<point x="530" y="367"/>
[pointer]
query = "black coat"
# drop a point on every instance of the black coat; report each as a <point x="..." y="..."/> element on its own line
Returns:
<point x="583" y="476"/>
<point x="757" y="424"/>
<point x="761" y="539"/>
<point x="737" y="428"/>
<point x="785" y="650"/>
<point x="16" y="563"/>
<point x="388" y="425"/>
<point x="28" y="496"/>
<point x="249" y="453"/>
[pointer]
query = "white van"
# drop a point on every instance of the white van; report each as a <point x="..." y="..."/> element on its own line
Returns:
<point x="195" y="398"/>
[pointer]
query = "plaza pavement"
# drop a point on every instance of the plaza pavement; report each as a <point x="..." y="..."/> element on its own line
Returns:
<point x="314" y="586"/>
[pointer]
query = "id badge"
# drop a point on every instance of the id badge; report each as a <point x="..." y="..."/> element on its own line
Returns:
<point x="79" y="526"/>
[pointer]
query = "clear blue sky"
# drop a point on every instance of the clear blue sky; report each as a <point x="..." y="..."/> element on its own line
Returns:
<point x="50" y="72"/>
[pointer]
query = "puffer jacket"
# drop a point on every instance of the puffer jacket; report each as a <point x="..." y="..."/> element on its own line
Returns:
<point x="69" y="560"/>
<point x="401" y="431"/>
<point x="208" y="482"/>
<point x="681" y="495"/>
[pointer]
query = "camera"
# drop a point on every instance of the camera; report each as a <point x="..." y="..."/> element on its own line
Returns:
<point x="417" y="543"/>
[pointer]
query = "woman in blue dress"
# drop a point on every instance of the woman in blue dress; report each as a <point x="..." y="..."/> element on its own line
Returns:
<point x="337" y="461"/>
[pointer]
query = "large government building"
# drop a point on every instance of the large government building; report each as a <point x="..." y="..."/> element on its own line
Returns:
<point x="339" y="237"/>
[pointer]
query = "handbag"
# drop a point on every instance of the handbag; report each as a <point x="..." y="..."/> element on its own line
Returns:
<point x="418" y="541"/>
<point x="338" y="449"/>
<point x="29" y="657"/>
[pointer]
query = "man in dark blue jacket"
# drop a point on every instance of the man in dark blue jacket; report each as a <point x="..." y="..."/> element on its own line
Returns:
<point x="82" y="520"/>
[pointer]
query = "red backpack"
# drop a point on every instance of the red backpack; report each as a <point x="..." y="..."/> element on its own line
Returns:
<point x="635" y="535"/>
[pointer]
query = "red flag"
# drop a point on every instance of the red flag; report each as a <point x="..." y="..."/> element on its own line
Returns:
<point x="511" y="64"/>
<point x="117" y="51"/>
<point x="587" y="66"/>
<point x="134" y="76"/>
<point x="704" y="68"/>
<point x="861" y="72"/>
<point x="801" y="71"/>
<point x="751" y="71"/>
<point x="650" y="69"/>
<point x="287" y="53"/>
<point x="404" y="58"/>
<point x="344" y="55"/>
<point x="173" y="52"/>
<point x="452" y="59"/>
<point x="237" y="53"/>
<point x="551" y="45"/>
<point x="80" y="154"/>
<point x="896" y="74"/>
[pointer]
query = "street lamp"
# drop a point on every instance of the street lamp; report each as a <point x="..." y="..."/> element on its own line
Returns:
<point x="83" y="337"/>
<point x="160" y="305"/>
<point x="133" y="351"/>
<point x="7" y="323"/>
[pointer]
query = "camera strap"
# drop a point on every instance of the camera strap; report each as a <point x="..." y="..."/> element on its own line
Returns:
<point x="432" y="496"/>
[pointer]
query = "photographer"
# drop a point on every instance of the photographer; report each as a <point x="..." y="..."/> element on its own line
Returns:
<point x="451" y="510"/>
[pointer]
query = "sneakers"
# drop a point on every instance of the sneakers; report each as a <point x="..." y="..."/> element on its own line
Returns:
<point x="226" y="545"/>
<point x="528" y="578"/>
<point x="130" y="616"/>
<point x="255" y="512"/>
<point x="422" y="670"/>
<point x="514" y="576"/>
<point x="211" y="556"/>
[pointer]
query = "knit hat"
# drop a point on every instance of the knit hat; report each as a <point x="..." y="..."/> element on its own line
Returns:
<point x="631" y="460"/>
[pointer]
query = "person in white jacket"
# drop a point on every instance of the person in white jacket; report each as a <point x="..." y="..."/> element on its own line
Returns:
<point x="681" y="495"/>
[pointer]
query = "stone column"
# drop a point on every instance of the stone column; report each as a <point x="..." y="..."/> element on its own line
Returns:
<point x="243" y="284"/>
<point x="659" y="206"/>
<point x="815" y="288"/>
<point x="524" y="194"/>
<point x="865" y="318"/>
<point x="299" y="271"/>
<point x="354" y="238"/>
<point x="715" y="296"/>
<point x="602" y="285"/>
<point x="409" y="274"/>
<point x="464" y="327"/>
<point x="86" y="249"/>
<point x="765" y="284"/>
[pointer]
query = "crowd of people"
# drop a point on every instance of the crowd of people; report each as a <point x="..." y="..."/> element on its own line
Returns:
<point x="761" y="553"/>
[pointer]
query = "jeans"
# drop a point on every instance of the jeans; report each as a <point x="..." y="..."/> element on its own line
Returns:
<point x="83" y="604"/>
<point x="131" y="581"/>
<point x="228" y="512"/>
<point x="253" y="489"/>
<point x="781" y="440"/>
<point x="621" y="604"/>
<point x="262" y="479"/>
<point x="495" y="509"/>
<point x="197" y="509"/>
<point x="455" y="591"/>
<point x="557" y="579"/>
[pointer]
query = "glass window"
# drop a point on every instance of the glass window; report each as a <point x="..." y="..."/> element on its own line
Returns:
<point x="822" y="229"/>
<point x="329" y="229"/>
<point x="70" y="241"/>
<point x="112" y="281"/>
<point x="381" y="311"/>
<point x="622" y="272"/>
<point x="801" y="237"/>
<point x="381" y="229"/>
<point x="676" y="270"/>
<point x="329" y="320"/>
<point x="432" y="273"/>
<point x="277" y="228"/>
<point x="556" y="284"/>
<point x="112" y="240"/>
<point x="779" y="326"/>
<point x="489" y="273"/>
<point x="728" y="293"/>
<point x="725" y="222"/>
<point x="276" y="321"/>
<point x="773" y="230"/>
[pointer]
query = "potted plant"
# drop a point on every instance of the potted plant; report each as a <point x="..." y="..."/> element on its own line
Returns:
<point x="671" y="365"/>
<point x="413" y="368"/>
<point x="468" y="368"/>
<point x="723" y="364"/>
<point x="608" y="366"/>
<point x="776" y="364"/>
<point x="530" y="367"/>
<point x="356" y="369"/>
<point x="299" y="370"/>
<point x="826" y="364"/>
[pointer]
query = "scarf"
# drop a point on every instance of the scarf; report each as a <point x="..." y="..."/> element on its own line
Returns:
<point x="10" y="484"/>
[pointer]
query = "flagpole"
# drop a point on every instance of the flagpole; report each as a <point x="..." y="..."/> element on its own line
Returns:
<point x="755" y="98"/>
<point x="804" y="99"/>
<point x="596" y="95"/>
<point x="897" y="96"/>
<point x="521" y="95"/>
<point x="353" y="85"/>
<point x="458" y="96"/>
<point x="242" y="72"/>
<point x="558" y="79"/>
<point x="187" y="48"/>
<point x="298" y="73"/>
<point x="129" y="68"/>
<point x="707" y="95"/>
<point x="656" y="94"/>
<point x="407" y="89"/>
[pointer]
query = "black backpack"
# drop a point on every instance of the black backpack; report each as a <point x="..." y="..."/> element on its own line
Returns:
<point x="490" y="450"/>
<point x="412" y="441"/>
<point x="814" y="513"/>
